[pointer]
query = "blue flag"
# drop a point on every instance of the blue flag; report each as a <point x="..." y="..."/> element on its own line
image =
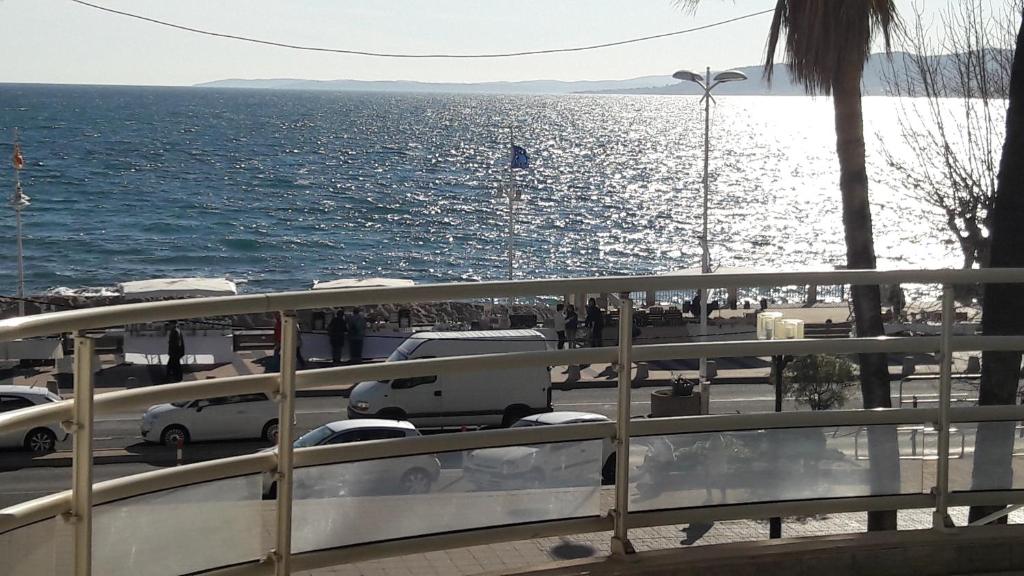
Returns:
<point x="519" y="157"/>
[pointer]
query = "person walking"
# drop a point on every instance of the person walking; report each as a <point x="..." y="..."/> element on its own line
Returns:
<point x="595" y="322"/>
<point x="560" y="324"/>
<point x="356" y="332"/>
<point x="175" y="352"/>
<point x="275" y="364"/>
<point x="572" y="324"/>
<point x="336" y="332"/>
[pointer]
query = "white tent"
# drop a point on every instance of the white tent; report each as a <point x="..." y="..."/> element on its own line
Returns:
<point x="361" y="283"/>
<point x="177" y="288"/>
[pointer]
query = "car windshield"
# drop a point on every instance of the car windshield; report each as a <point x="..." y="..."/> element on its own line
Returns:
<point x="527" y="424"/>
<point x="404" y="352"/>
<point x="313" y="437"/>
<point x="180" y="403"/>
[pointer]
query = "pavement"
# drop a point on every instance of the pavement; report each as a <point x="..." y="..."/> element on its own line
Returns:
<point x="511" y="557"/>
<point x="660" y="373"/>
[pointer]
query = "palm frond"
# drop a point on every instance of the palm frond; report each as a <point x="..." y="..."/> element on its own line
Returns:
<point x="825" y="36"/>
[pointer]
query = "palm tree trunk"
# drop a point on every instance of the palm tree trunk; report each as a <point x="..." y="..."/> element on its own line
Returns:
<point x="867" y="301"/>
<point x="1003" y="307"/>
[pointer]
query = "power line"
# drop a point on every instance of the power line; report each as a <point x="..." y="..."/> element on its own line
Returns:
<point x="406" y="55"/>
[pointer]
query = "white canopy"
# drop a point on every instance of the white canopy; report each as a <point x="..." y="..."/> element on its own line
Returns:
<point x="361" y="283"/>
<point x="177" y="288"/>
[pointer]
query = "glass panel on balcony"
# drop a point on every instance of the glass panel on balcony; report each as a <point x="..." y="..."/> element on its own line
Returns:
<point x="987" y="456"/>
<point x="689" y="470"/>
<point x="39" y="549"/>
<point x="357" y="502"/>
<point x="183" y="530"/>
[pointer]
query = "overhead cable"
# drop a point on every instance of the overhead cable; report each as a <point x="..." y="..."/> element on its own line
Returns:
<point x="408" y="55"/>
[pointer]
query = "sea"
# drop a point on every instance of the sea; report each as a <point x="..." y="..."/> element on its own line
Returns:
<point x="276" y="189"/>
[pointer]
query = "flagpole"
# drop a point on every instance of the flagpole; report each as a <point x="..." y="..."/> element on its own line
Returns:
<point x="18" y="203"/>
<point x="510" y="192"/>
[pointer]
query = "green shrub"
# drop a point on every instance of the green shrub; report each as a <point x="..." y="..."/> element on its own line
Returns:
<point x="821" y="381"/>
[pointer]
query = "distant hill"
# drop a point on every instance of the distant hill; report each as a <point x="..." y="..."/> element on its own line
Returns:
<point x="782" y="84"/>
<point x="524" y="87"/>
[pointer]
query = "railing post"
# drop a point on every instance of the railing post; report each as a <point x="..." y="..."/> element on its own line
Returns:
<point x="620" y="538"/>
<point x="81" y="487"/>
<point x="285" y="418"/>
<point x="940" y="518"/>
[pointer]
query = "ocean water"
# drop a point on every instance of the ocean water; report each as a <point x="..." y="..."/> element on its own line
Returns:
<point x="278" y="188"/>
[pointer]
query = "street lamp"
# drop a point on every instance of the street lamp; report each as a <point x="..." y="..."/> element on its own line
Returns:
<point x="707" y="84"/>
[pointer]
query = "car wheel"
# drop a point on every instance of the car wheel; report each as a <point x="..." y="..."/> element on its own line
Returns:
<point x="174" y="434"/>
<point x="416" y="481"/>
<point x="271" y="432"/>
<point x="513" y="414"/>
<point x="391" y="414"/>
<point x="608" y="471"/>
<point x="41" y="441"/>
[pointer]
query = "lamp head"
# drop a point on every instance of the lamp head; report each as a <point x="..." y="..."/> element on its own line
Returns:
<point x="688" y="76"/>
<point x="730" y="76"/>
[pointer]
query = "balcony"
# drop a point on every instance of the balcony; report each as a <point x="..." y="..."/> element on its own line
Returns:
<point x="210" y="517"/>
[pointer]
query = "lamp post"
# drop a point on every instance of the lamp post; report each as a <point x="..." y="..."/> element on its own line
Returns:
<point x="707" y="83"/>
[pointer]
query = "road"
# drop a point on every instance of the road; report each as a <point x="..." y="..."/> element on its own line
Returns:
<point x="120" y="433"/>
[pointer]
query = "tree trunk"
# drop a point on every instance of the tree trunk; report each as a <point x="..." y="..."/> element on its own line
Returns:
<point x="867" y="302"/>
<point x="1003" y="308"/>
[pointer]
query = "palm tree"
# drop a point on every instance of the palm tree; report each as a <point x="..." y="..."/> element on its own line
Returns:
<point x="827" y="43"/>
<point x="1003" y="308"/>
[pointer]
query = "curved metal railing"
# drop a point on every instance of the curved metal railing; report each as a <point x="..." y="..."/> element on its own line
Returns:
<point x="79" y="504"/>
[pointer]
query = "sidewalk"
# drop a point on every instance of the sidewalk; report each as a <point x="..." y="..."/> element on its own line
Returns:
<point x="542" y="552"/>
<point x="645" y="374"/>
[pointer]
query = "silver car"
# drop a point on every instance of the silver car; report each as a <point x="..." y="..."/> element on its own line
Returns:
<point x="41" y="439"/>
<point x="542" y="465"/>
<point x="404" y="475"/>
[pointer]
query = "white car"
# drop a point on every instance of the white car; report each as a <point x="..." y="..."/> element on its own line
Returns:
<point x="41" y="439"/>
<point x="224" y="418"/>
<point x="405" y="475"/>
<point x="542" y="465"/>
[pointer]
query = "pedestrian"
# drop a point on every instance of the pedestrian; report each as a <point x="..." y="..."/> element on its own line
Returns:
<point x="595" y="322"/>
<point x="299" y="358"/>
<point x="560" y="325"/>
<point x="572" y="324"/>
<point x="336" y="332"/>
<point x="175" y="352"/>
<point x="356" y="332"/>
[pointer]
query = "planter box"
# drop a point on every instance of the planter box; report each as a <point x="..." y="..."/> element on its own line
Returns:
<point x="664" y="404"/>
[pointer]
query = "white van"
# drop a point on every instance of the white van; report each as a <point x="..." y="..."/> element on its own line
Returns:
<point x="462" y="399"/>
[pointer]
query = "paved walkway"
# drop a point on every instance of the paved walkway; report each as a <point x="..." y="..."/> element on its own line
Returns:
<point x="526" y="554"/>
<point x="646" y="374"/>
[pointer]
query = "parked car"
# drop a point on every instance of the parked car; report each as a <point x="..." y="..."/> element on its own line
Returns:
<point x="405" y="475"/>
<point x="41" y="439"/>
<point x="542" y="465"/>
<point x="464" y="398"/>
<point x="223" y="418"/>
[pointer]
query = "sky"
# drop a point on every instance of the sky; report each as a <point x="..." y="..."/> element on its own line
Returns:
<point x="58" y="41"/>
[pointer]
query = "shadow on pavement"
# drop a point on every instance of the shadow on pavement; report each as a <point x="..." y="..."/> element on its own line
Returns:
<point x="569" y="550"/>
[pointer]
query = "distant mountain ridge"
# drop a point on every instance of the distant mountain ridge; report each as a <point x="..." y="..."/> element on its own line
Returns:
<point x="782" y="84"/>
<point x="523" y="87"/>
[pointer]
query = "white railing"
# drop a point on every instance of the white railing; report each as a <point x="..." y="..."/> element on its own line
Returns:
<point x="78" y="505"/>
